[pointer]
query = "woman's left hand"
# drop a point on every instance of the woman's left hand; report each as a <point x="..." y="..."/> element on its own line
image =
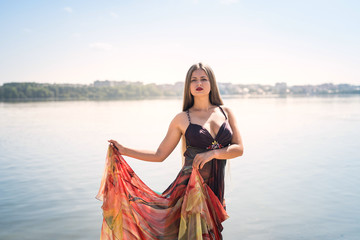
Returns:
<point x="202" y="158"/>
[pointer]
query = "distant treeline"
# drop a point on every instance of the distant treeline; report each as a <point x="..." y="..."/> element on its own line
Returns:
<point x="100" y="90"/>
<point x="106" y="90"/>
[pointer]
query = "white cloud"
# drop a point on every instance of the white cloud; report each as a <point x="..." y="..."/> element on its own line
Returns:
<point x="68" y="9"/>
<point x="114" y="15"/>
<point x="101" y="46"/>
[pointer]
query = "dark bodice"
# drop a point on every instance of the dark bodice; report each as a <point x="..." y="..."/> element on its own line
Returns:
<point x="199" y="140"/>
<point x="199" y="137"/>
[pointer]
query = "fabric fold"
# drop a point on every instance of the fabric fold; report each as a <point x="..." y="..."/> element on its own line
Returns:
<point x="187" y="209"/>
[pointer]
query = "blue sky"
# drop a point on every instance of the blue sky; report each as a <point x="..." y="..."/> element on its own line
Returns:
<point x="298" y="42"/>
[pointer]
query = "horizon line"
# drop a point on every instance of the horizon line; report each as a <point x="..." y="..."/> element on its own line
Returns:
<point x="218" y="82"/>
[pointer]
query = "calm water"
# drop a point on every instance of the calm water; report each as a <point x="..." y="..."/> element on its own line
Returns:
<point x="298" y="179"/>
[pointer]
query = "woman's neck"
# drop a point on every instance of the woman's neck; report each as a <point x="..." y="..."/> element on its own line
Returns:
<point x="202" y="103"/>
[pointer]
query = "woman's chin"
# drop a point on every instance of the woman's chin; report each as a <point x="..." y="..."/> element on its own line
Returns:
<point x="200" y="93"/>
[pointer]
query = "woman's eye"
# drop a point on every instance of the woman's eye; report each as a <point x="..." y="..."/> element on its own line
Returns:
<point x="204" y="79"/>
<point x="193" y="80"/>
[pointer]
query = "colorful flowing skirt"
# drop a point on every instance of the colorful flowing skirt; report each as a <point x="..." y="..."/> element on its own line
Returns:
<point x="188" y="209"/>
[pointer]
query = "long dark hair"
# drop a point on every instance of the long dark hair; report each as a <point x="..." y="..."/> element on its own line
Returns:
<point x="214" y="95"/>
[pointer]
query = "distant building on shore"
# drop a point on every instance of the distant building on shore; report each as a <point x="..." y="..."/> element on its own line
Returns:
<point x="280" y="88"/>
<point x="108" y="83"/>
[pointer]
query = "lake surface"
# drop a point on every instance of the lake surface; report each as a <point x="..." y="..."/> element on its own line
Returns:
<point x="299" y="176"/>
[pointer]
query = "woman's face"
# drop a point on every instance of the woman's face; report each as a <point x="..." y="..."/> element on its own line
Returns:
<point x="199" y="83"/>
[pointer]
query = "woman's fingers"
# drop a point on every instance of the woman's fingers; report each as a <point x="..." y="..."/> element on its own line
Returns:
<point x="114" y="143"/>
<point x="199" y="161"/>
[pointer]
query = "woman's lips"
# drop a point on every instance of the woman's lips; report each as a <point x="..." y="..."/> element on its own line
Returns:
<point x="199" y="89"/>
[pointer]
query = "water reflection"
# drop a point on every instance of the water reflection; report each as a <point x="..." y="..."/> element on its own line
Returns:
<point x="296" y="180"/>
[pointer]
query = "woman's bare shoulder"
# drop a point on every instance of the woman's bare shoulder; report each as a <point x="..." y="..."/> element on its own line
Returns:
<point x="225" y="108"/>
<point x="181" y="120"/>
<point x="228" y="111"/>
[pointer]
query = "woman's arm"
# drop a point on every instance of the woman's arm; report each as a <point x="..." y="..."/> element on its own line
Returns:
<point x="235" y="149"/>
<point x="165" y="148"/>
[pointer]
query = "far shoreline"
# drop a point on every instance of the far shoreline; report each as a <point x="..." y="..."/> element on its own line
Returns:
<point x="247" y="96"/>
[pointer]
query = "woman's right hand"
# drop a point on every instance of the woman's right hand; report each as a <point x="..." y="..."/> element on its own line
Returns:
<point x="118" y="146"/>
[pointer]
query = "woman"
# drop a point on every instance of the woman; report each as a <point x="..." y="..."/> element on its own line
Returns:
<point x="193" y="205"/>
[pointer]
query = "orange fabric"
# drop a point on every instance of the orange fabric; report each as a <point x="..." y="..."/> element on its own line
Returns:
<point x="188" y="209"/>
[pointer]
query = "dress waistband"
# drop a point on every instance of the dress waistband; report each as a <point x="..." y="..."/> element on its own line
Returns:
<point x="192" y="151"/>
